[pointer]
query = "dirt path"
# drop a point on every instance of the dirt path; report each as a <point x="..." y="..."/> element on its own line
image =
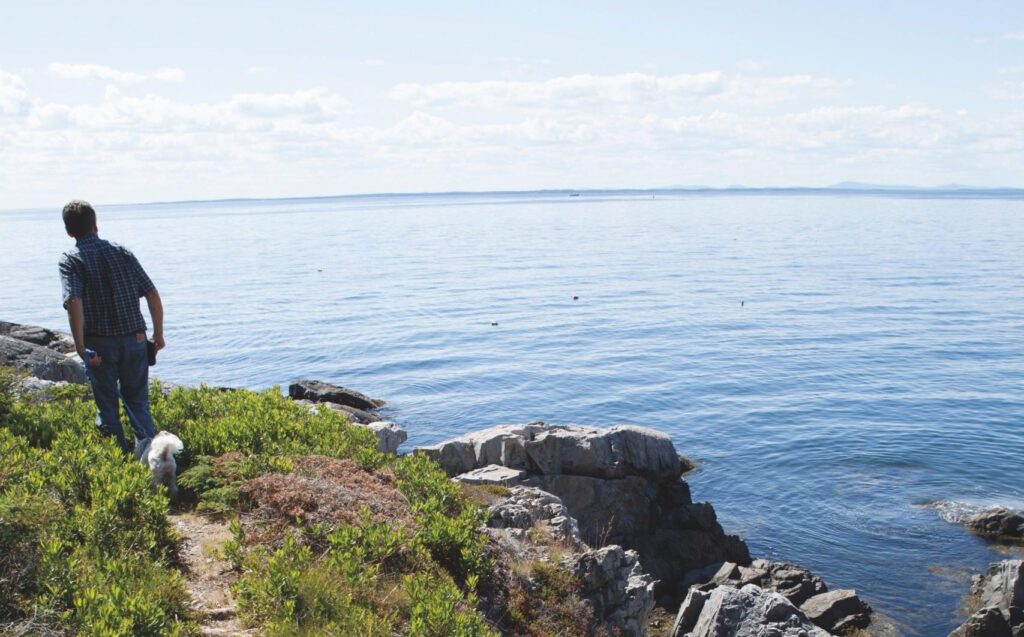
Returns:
<point x="209" y="575"/>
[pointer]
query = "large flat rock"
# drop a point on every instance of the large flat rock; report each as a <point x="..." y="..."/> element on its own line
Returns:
<point x="321" y="392"/>
<point x="541" y="448"/>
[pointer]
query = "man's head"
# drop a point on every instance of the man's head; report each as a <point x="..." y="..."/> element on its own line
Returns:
<point x="79" y="218"/>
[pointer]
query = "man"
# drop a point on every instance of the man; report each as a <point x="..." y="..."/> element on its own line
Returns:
<point x="102" y="283"/>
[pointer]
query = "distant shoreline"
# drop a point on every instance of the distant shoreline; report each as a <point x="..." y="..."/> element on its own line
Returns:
<point x="592" y="194"/>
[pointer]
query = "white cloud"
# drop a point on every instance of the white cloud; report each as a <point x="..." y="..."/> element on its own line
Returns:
<point x="628" y="129"/>
<point x="98" y="72"/>
<point x="1016" y="35"/>
<point x="564" y="91"/>
<point x="623" y="89"/>
<point x="168" y="74"/>
<point x="1008" y="90"/>
<point x="13" y="96"/>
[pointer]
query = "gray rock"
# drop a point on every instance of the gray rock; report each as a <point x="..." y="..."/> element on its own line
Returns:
<point x="1000" y="523"/>
<point x="839" y="611"/>
<point x="492" y="474"/>
<point x="36" y="390"/>
<point x="528" y="507"/>
<point x="795" y="583"/>
<point x="354" y="415"/>
<point x="615" y="452"/>
<point x="58" y="341"/>
<point x="546" y="449"/>
<point x="40" y="361"/>
<point x="389" y="435"/>
<point x="689" y="612"/>
<point x="746" y="612"/>
<point x="609" y="511"/>
<point x="1002" y="587"/>
<point x="613" y="580"/>
<point x="622" y="484"/>
<point x="320" y="392"/>
<point x="987" y="622"/>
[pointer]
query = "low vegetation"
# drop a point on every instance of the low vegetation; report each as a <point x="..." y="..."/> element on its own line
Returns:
<point x="329" y="536"/>
<point x="85" y="546"/>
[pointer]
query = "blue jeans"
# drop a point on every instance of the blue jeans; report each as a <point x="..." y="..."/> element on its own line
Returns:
<point x="124" y="372"/>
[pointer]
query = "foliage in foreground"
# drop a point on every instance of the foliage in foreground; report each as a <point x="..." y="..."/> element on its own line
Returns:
<point x="85" y="545"/>
<point x="84" y="541"/>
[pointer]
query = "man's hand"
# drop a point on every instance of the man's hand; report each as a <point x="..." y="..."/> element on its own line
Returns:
<point x="158" y="339"/>
<point x="95" y="360"/>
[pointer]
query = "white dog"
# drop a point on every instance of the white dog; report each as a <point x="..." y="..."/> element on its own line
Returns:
<point x="158" y="454"/>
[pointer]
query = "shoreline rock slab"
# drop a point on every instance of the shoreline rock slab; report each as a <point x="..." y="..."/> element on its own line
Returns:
<point x="321" y="392"/>
<point x="40" y="361"/>
<point x="60" y="342"/>
<point x="999" y="523"/>
<point x="540" y="448"/>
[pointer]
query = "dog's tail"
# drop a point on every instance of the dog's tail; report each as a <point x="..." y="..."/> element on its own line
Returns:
<point x="165" y="446"/>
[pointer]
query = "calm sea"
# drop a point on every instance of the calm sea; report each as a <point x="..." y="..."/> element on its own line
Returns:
<point x="832" y="363"/>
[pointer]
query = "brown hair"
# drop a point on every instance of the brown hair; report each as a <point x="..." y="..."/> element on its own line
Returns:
<point x="79" y="218"/>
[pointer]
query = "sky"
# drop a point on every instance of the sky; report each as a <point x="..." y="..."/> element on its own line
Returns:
<point x="120" y="102"/>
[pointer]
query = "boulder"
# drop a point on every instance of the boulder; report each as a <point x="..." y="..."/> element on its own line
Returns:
<point x="1000" y="523"/>
<point x="320" y="392"/>
<point x="492" y="474"/>
<point x="742" y="612"/>
<point x="987" y="622"/>
<point x="839" y="612"/>
<point x="621" y="592"/>
<point x="389" y="435"/>
<point x="622" y="484"/>
<point x="40" y="361"/>
<point x="58" y="341"/>
<point x="546" y="449"/>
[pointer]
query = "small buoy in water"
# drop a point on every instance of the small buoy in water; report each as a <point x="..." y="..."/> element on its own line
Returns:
<point x="741" y="303"/>
<point x="575" y="298"/>
<point x="493" y="323"/>
<point x="319" y="270"/>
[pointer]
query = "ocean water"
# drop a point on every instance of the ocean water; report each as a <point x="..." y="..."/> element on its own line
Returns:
<point x="834" y="364"/>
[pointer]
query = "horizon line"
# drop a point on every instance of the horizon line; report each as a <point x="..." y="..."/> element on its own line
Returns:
<point x="844" y="188"/>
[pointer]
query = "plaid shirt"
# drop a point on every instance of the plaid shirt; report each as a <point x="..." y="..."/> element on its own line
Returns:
<point x="110" y="281"/>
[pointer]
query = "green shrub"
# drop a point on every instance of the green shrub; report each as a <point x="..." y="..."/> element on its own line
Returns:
<point x="7" y="377"/>
<point x="212" y="422"/>
<point x="85" y="545"/>
<point x="440" y="610"/>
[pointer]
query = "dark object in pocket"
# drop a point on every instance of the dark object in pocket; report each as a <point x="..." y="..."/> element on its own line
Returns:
<point x="151" y="352"/>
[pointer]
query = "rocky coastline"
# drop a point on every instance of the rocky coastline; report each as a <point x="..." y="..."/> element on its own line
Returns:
<point x="613" y="507"/>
